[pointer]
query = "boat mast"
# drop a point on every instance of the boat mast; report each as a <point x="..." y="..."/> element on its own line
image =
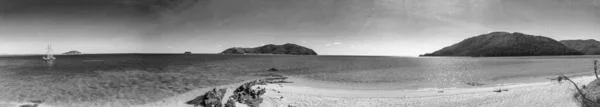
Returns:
<point x="49" y="54"/>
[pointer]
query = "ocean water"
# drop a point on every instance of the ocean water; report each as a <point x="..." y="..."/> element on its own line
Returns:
<point x="450" y="72"/>
<point x="84" y="64"/>
<point x="370" y="71"/>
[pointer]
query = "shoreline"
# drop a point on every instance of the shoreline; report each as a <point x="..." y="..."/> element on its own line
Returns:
<point x="413" y="86"/>
<point x="301" y="95"/>
<point x="302" y="88"/>
<point x="537" y="94"/>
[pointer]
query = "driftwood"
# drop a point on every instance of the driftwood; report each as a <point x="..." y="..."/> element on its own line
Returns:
<point x="595" y="104"/>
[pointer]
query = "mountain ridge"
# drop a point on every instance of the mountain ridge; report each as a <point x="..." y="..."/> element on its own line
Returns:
<point x="505" y="44"/>
<point x="587" y="46"/>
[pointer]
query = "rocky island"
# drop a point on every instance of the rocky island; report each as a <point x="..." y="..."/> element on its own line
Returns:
<point x="73" y="52"/>
<point x="506" y="44"/>
<point x="588" y="47"/>
<point x="288" y="48"/>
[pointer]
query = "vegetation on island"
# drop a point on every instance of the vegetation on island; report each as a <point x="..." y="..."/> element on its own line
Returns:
<point x="588" y="47"/>
<point x="287" y="48"/>
<point x="506" y="44"/>
<point x="73" y="52"/>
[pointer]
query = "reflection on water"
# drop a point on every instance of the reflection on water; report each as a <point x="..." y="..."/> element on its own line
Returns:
<point x="50" y="64"/>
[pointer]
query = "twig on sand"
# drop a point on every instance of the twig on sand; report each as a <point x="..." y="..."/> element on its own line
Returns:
<point x="500" y="90"/>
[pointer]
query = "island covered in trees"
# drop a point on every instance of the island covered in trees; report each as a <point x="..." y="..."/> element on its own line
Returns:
<point x="288" y="48"/>
<point x="506" y="44"/>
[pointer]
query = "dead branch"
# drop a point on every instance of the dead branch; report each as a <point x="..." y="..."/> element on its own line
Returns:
<point x="580" y="92"/>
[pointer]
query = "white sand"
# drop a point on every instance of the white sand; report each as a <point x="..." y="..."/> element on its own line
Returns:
<point x="542" y="94"/>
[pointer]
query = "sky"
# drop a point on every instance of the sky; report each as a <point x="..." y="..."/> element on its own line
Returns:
<point x="330" y="27"/>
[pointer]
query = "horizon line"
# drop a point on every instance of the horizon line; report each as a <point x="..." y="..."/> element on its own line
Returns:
<point x="206" y="53"/>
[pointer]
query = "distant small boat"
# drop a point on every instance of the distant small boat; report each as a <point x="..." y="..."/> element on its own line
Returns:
<point x="49" y="56"/>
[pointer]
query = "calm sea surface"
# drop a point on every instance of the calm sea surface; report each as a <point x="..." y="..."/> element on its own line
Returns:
<point x="371" y="71"/>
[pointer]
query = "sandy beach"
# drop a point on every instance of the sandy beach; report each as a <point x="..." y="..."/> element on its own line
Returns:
<point x="540" y="94"/>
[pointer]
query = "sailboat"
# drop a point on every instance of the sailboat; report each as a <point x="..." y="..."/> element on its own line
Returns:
<point x="49" y="56"/>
